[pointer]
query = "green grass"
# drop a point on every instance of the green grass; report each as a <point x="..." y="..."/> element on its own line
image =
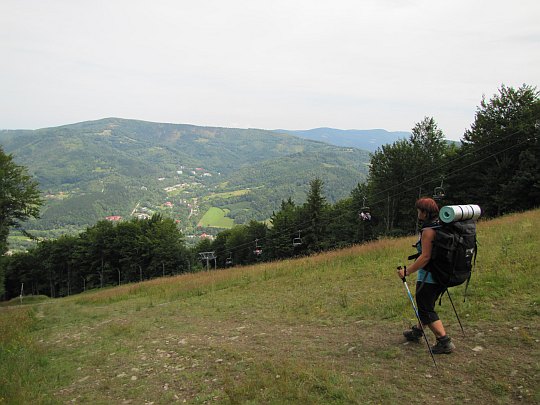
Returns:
<point x="216" y="218"/>
<point x="25" y="300"/>
<point x="319" y="330"/>
<point x="225" y="195"/>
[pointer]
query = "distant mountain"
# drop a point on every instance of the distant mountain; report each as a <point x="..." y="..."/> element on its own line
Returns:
<point x="368" y="139"/>
<point x="126" y="168"/>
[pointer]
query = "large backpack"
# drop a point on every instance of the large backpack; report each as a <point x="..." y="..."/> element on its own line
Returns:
<point x="453" y="252"/>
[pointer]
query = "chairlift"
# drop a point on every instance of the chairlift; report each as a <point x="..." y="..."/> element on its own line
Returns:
<point x="258" y="250"/>
<point x="229" y="260"/>
<point x="365" y="212"/>
<point x="365" y="215"/>
<point x="297" y="241"/>
<point x="438" y="192"/>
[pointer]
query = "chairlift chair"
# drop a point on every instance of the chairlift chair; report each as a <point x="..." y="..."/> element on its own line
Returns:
<point x="258" y="250"/>
<point x="365" y="214"/>
<point x="297" y="241"/>
<point x="229" y="260"/>
<point x="438" y="193"/>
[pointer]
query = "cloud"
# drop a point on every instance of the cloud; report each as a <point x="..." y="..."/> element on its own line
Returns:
<point x="279" y="64"/>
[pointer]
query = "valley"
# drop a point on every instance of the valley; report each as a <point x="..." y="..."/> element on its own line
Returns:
<point x="204" y="178"/>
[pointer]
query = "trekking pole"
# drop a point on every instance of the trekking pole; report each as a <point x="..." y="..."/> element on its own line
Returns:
<point x="457" y="316"/>
<point x="417" y="315"/>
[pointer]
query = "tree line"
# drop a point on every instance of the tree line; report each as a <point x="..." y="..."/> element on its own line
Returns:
<point x="105" y="254"/>
<point x="496" y="166"/>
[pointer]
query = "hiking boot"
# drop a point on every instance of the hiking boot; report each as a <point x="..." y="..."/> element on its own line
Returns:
<point x="414" y="334"/>
<point x="444" y="346"/>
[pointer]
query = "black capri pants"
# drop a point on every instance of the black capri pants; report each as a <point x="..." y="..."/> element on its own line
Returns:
<point x="426" y="297"/>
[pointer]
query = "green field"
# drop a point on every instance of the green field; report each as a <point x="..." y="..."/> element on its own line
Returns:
<point x="225" y="195"/>
<point x="216" y="218"/>
<point x="324" y="329"/>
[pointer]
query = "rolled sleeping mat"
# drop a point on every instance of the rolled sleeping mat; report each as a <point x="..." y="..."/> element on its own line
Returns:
<point x="455" y="213"/>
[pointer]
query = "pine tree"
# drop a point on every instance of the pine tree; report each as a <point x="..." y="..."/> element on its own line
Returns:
<point x="315" y="210"/>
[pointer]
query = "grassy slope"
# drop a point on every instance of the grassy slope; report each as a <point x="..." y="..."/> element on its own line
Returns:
<point x="216" y="217"/>
<point x="324" y="329"/>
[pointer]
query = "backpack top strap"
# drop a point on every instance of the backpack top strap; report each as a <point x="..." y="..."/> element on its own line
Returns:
<point x="433" y="225"/>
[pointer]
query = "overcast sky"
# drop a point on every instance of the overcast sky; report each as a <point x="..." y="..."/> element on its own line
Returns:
<point x="292" y="64"/>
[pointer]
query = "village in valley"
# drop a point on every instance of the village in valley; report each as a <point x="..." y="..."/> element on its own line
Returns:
<point x="181" y="202"/>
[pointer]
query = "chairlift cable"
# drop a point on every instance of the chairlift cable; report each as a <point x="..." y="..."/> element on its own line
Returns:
<point x="454" y="174"/>
<point x="376" y="202"/>
<point x="452" y="161"/>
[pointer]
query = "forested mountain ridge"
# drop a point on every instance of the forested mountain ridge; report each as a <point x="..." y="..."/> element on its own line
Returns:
<point x="113" y="166"/>
<point x="221" y="149"/>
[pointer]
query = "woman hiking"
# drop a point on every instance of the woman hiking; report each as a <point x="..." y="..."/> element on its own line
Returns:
<point x="427" y="289"/>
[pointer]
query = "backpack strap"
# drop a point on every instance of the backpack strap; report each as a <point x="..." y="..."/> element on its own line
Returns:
<point x="474" y="264"/>
<point x="432" y="225"/>
<point x="466" y="288"/>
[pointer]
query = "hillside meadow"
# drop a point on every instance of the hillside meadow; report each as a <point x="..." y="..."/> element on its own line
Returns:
<point x="216" y="217"/>
<point x="325" y="329"/>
